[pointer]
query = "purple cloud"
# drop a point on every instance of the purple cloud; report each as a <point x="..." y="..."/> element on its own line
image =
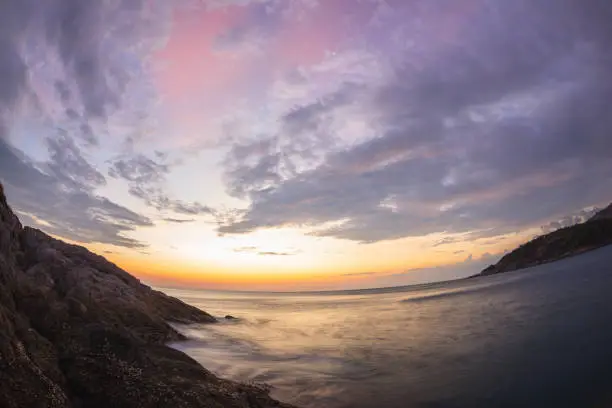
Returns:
<point x="69" y="67"/>
<point x="495" y="133"/>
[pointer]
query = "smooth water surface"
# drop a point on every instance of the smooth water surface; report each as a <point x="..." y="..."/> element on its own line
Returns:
<point x="541" y="337"/>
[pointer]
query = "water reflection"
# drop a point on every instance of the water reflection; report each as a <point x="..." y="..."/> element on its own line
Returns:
<point x="524" y="339"/>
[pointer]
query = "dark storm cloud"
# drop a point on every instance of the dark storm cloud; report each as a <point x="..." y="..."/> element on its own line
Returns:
<point x="73" y="213"/>
<point x="64" y="63"/>
<point x="500" y="131"/>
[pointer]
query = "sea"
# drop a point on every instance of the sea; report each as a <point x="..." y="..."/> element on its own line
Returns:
<point x="540" y="337"/>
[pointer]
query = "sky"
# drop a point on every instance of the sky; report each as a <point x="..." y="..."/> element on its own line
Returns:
<point x="304" y="144"/>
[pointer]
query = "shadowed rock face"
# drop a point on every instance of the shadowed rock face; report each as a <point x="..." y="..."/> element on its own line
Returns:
<point x="563" y="243"/>
<point x="77" y="331"/>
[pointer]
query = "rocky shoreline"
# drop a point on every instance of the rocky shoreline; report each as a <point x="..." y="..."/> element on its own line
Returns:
<point x="79" y="332"/>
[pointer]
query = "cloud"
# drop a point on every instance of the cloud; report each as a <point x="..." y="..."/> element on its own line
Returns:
<point x="66" y="210"/>
<point x="569" y="220"/>
<point x="146" y="177"/>
<point x="214" y="4"/>
<point x="246" y="249"/>
<point x="447" y="241"/>
<point x="69" y="166"/>
<point x="484" y="136"/>
<point x="424" y="120"/>
<point x="303" y="137"/>
<point x="251" y="33"/>
<point x="196" y="208"/>
<point x="139" y="169"/>
<point x="178" y="221"/>
<point x="257" y="251"/>
<point x="242" y="40"/>
<point x="359" y="274"/>
<point x="88" y="62"/>
<point x="272" y="253"/>
<point x="68" y="69"/>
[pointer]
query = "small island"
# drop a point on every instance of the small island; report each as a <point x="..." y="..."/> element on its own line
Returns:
<point x="78" y="331"/>
<point x="563" y="243"/>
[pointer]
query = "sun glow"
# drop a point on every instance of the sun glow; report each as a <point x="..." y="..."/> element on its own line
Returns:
<point x="289" y="259"/>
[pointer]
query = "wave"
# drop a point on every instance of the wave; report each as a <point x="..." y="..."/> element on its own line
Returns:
<point x="446" y="294"/>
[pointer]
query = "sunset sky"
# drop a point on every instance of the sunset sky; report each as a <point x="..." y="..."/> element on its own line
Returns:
<point x="304" y="144"/>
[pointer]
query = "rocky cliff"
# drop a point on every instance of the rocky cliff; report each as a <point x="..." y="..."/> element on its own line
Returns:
<point x="563" y="243"/>
<point x="77" y="331"/>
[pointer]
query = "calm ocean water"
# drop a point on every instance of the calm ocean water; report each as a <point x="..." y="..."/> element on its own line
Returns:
<point x="535" y="338"/>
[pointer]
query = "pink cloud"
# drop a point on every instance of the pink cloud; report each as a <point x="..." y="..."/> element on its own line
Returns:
<point x="187" y="65"/>
<point x="306" y="40"/>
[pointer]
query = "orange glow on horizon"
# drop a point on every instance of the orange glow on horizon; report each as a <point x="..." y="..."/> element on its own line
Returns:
<point x="366" y="268"/>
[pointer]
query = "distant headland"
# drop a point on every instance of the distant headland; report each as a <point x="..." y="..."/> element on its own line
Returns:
<point x="563" y="243"/>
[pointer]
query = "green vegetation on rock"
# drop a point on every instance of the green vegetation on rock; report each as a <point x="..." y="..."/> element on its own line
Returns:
<point x="559" y="244"/>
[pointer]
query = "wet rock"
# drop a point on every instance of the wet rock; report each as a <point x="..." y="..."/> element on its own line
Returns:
<point x="78" y="331"/>
<point x="230" y="317"/>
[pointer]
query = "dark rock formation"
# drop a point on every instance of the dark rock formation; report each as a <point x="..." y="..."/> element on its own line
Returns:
<point x="230" y="317"/>
<point x="563" y="243"/>
<point x="77" y="331"/>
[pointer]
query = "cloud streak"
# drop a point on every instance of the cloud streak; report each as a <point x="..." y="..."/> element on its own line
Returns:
<point x="178" y="221"/>
<point x="257" y="251"/>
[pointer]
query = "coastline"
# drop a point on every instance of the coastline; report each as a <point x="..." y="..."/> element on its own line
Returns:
<point x="420" y="347"/>
<point x="78" y="331"/>
<point x="558" y="245"/>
